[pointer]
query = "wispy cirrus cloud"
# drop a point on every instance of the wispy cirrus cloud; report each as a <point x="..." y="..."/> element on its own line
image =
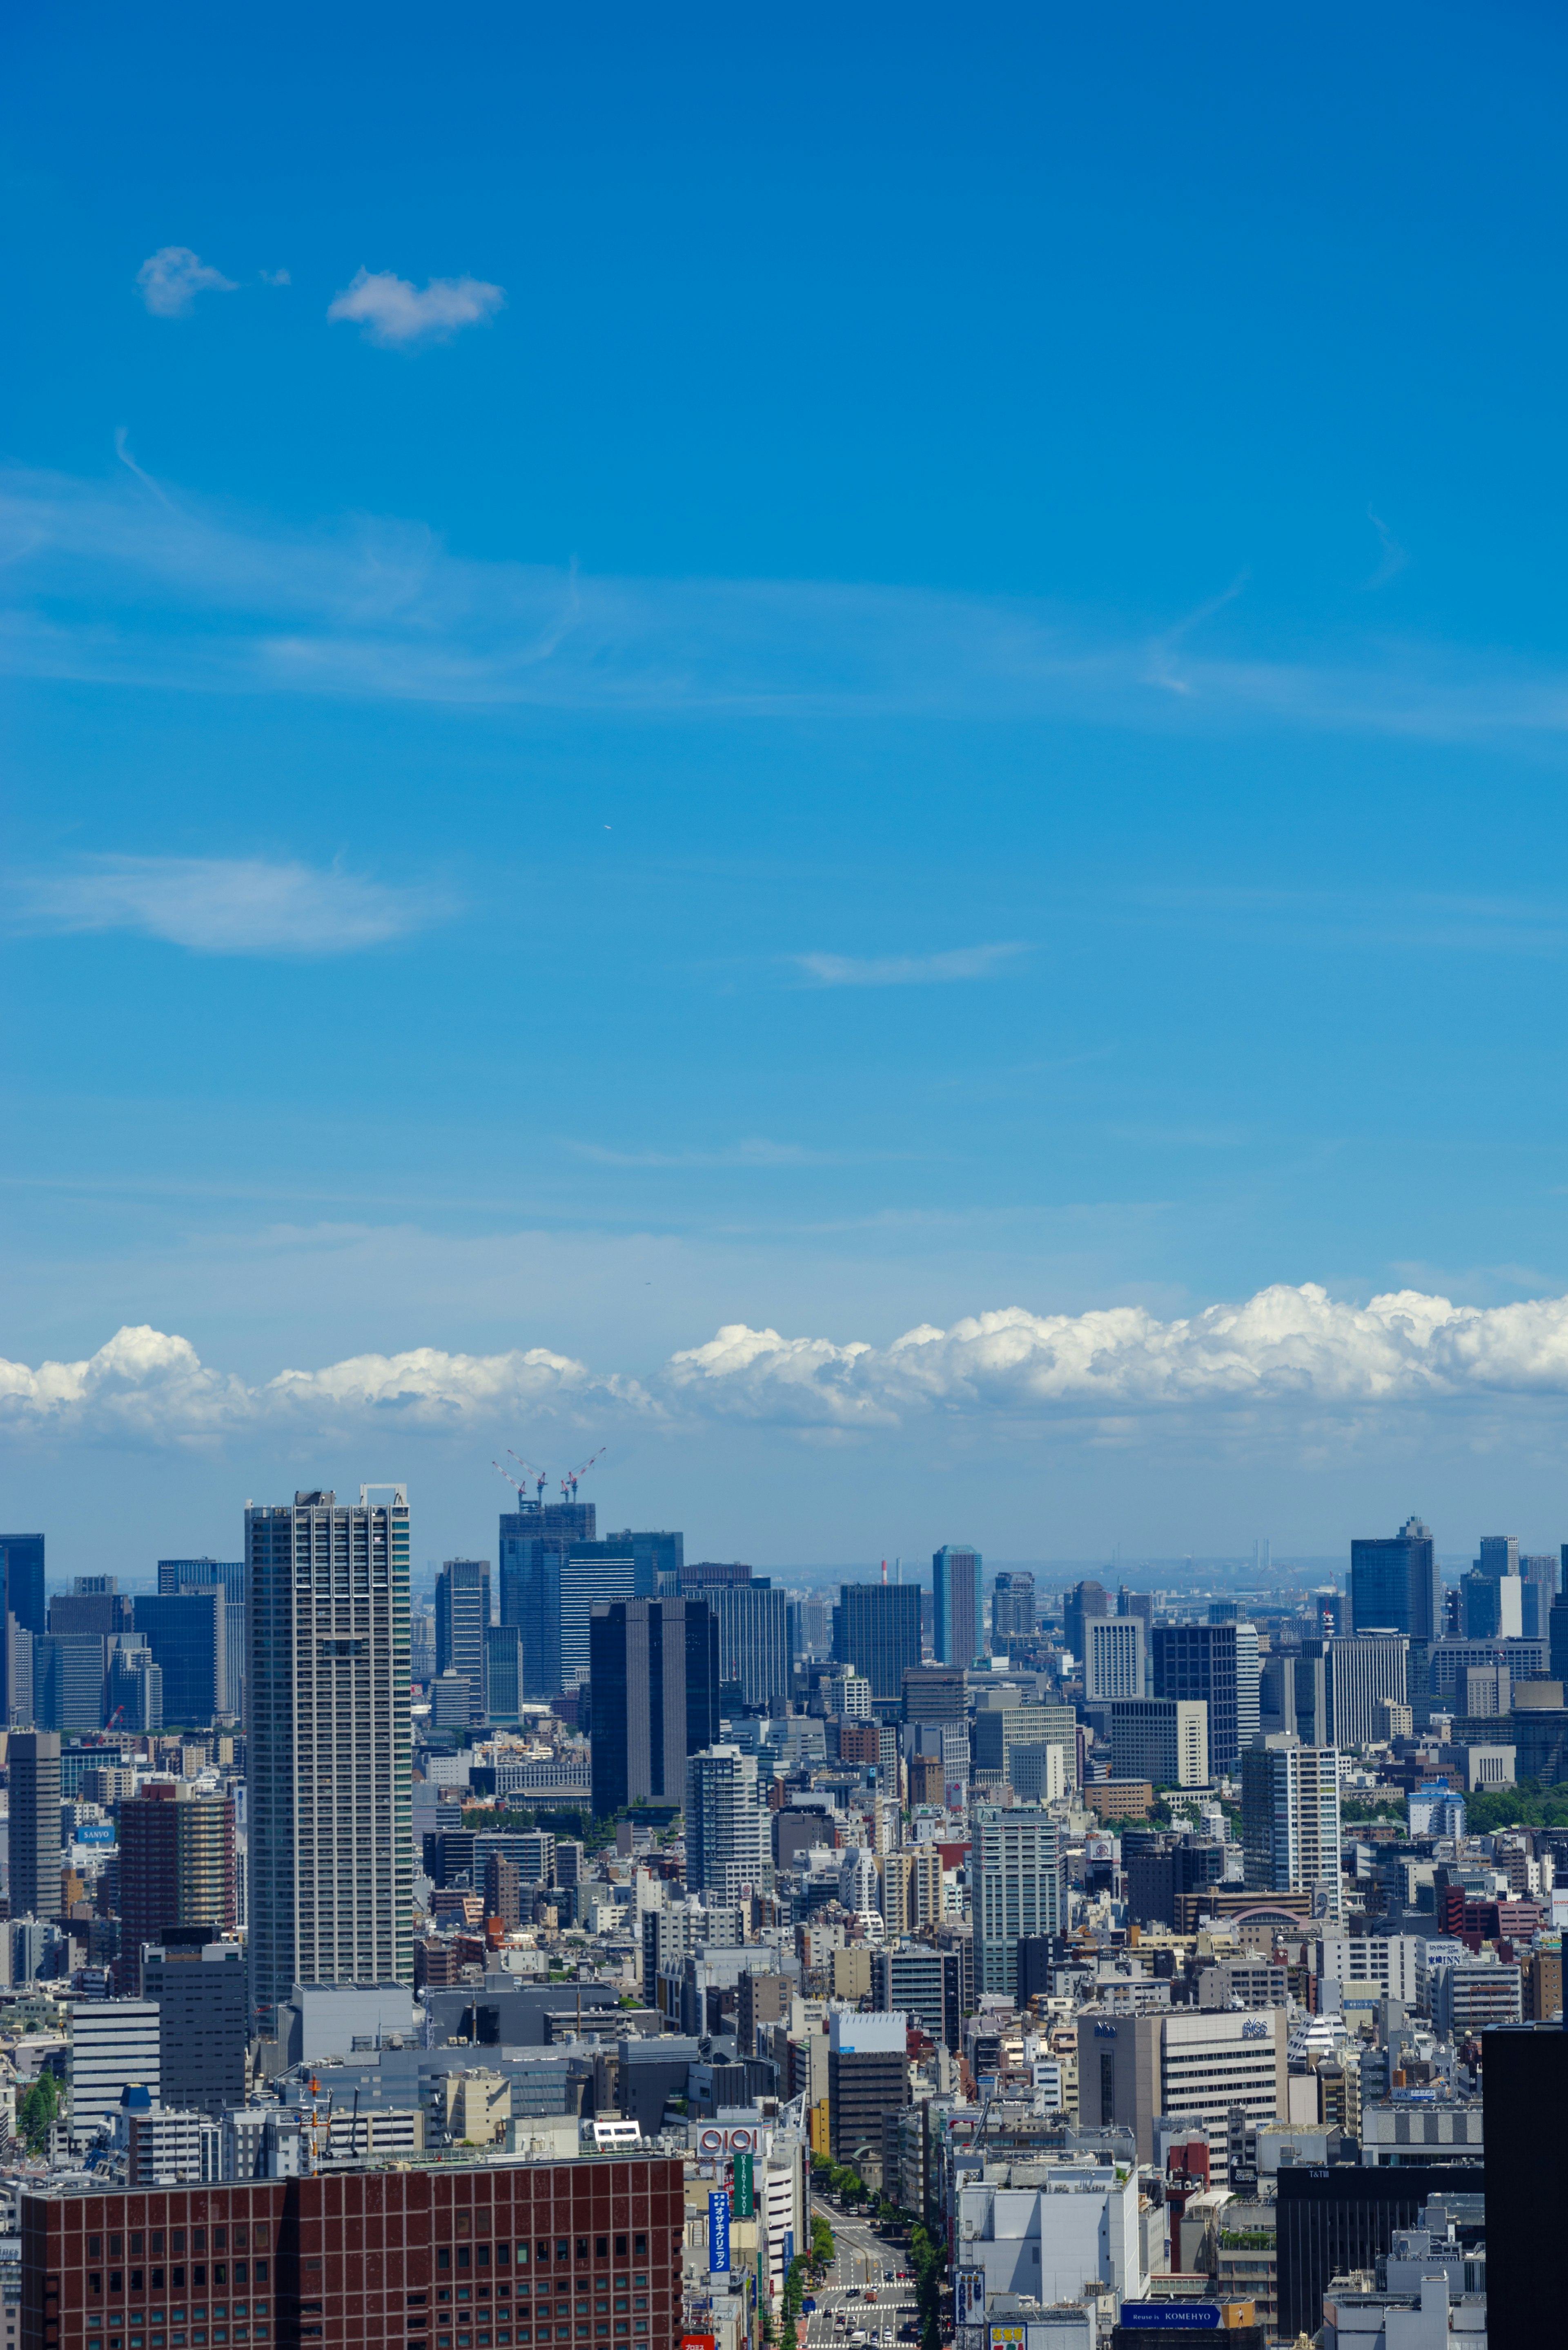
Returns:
<point x="907" y="971"/>
<point x="1291" y="1353"/>
<point x="100" y="587"/>
<point x="399" y="315"/>
<point x="170" y="280"/>
<point x="232" y="906"/>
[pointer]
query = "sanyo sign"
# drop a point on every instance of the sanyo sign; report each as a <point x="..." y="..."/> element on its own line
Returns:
<point x="716" y="2138"/>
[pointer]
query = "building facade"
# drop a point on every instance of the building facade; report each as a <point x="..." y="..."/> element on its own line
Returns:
<point x="185" y="1631"/>
<point x="1012" y="1608"/>
<point x="1113" y="1659"/>
<point x="228" y="1575"/>
<point x="957" y="1572"/>
<point x="33" y="1761"/>
<point x="654" y="1666"/>
<point x="1017" y="1862"/>
<point x="729" y="1828"/>
<point x="1365" y="1672"/>
<point x="1395" y="1584"/>
<point x="1290" y="1820"/>
<point x="877" y="1628"/>
<point x="535" y="1539"/>
<point x="1162" y="1738"/>
<point x="754" y="1640"/>
<point x="329" y="1744"/>
<point x="462" y="1621"/>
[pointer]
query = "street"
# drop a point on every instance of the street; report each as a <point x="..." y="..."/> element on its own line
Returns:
<point x="861" y="2261"/>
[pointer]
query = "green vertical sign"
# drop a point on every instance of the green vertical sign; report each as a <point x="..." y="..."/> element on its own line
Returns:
<point x="743" y="2187"/>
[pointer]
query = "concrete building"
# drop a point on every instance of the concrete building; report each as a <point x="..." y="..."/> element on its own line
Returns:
<point x="1365" y="1670"/>
<point x="1290" y="1819"/>
<point x="201" y="1992"/>
<point x="114" y="2047"/>
<point x="1044" y="2226"/>
<point x="754" y="1641"/>
<point x="729" y="1828"/>
<point x="1133" y="2068"/>
<point x="1018" y="1888"/>
<point x="1113" y="1659"/>
<point x="33" y="1760"/>
<point x="1469" y="1996"/>
<point x="177" y="1868"/>
<point x="1162" y="1738"/>
<point x="1012" y="1604"/>
<point x="923" y="1985"/>
<point x="957" y="1571"/>
<point x="462" y="1621"/>
<point x="329" y="1750"/>
<point x="867" y="2077"/>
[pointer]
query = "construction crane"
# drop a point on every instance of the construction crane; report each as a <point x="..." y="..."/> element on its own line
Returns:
<point x="537" y="1475"/>
<point x="569" y="1481"/>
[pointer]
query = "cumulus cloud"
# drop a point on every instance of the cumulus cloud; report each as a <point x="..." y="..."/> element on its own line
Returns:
<point x="227" y="905"/>
<point x="1286" y="1350"/>
<point x="396" y="313"/>
<point x="906" y="971"/>
<point x="170" y="280"/>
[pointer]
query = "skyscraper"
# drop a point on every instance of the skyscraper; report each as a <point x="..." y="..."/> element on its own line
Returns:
<point x="1200" y="1660"/>
<point x="1538" y="1589"/>
<point x="186" y="1633"/>
<point x="22" y="1561"/>
<point x="176" y="1869"/>
<point x="502" y="1673"/>
<point x="1084" y="1599"/>
<point x="535" y="1540"/>
<point x="729" y="1839"/>
<point x="956" y="1578"/>
<point x="1365" y="1672"/>
<point x="1290" y="1820"/>
<point x="1395" y="1583"/>
<point x="328" y="1755"/>
<point x="1013" y="1608"/>
<point x="877" y="1628"/>
<point x="1016" y="1856"/>
<point x="1113" y="1659"/>
<point x="33" y="1759"/>
<point x="754" y="1640"/>
<point x="654" y="1690"/>
<point x="462" y="1620"/>
<point x="228" y="1575"/>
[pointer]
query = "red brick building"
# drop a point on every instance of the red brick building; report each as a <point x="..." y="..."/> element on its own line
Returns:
<point x="584" y="2254"/>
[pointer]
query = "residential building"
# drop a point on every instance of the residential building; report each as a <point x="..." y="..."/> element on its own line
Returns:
<point x="877" y="1628"/>
<point x="1133" y="2068"/>
<point x="328" y="1747"/>
<point x="912" y="1890"/>
<point x="1012" y="1615"/>
<point x="1365" y="1670"/>
<point x="33" y="1768"/>
<point x="956" y="1590"/>
<point x="654" y="1682"/>
<point x="1017" y="1865"/>
<point x="923" y="1985"/>
<point x="1113" y="1659"/>
<point x="185" y="1631"/>
<point x="1290" y="1820"/>
<point x="114" y="2047"/>
<point x="228" y="1575"/>
<point x="1162" y="1738"/>
<point x="729" y="1828"/>
<point x="177" y="1868"/>
<point x="867" y="2077"/>
<point x="754" y="1642"/>
<point x="1395" y="1584"/>
<point x="462" y="1621"/>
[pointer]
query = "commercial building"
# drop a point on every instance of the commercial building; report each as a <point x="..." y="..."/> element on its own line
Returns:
<point x="1085" y="1601"/>
<point x="95" y="1605"/>
<point x="33" y="1761"/>
<point x="1293" y="1693"/>
<point x="1395" y="1584"/>
<point x="1337" y="2218"/>
<point x="1290" y="1820"/>
<point x="1216" y="1664"/>
<point x="754" y="1641"/>
<point x="177" y="1868"/>
<point x="1525" y="2085"/>
<point x="201" y="1992"/>
<point x="923" y="1985"/>
<point x="1367" y="1670"/>
<point x="1132" y="2069"/>
<point x="1006" y="1722"/>
<point x="877" y="1628"/>
<point x="1162" y="1738"/>
<point x="185" y="1631"/>
<point x="510" y="2237"/>
<point x="1018" y="1888"/>
<point x="1012" y="1615"/>
<point x="1469" y="1996"/>
<point x="654" y="1682"/>
<point x="729" y="1828"/>
<point x="328" y="1743"/>
<point x="462" y="1621"/>
<point x="1044" y="2226"/>
<point x="502" y="1673"/>
<point x="535" y="1539"/>
<point x="68" y="1681"/>
<point x="1114" y="1658"/>
<point x="114" y="2047"/>
<point x="227" y="1575"/>
<point x="958" y="1628"/>
<point x="867" y="2077"/>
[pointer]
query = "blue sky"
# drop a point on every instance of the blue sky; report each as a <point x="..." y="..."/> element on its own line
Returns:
<point x="666" y="674"/>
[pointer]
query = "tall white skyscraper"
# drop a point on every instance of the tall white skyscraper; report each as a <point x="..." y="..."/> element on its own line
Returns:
<point x="729" y="1841"/>
<point x="1366" y="1670"/>
<point x="1290" y="1819"/>
<point x="1016" y="1859"/>
<point x="1113" y="1659"/>
<point x="328" y="1751"/>
<point x="1248" y="1686"/>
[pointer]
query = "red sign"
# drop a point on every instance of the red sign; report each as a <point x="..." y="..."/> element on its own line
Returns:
<point x="698" y="2341"/>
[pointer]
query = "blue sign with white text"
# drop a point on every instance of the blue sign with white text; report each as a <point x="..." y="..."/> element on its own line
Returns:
<point x="719" y="2231"/>
<point x="96" y="1832"/>
<point x="1193" y="2314"/>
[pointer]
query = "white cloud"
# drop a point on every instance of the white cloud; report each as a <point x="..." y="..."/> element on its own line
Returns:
<point x="276" y="277"/>
<point x="394" y="313"/>
<point x="905" y="971"/>
<point x="1295" y="1353"/>
<point x="228" y="905"/>
<point x="170" y="279"/>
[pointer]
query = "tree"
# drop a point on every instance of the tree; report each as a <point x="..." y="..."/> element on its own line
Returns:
<point x="36" y="2110"/>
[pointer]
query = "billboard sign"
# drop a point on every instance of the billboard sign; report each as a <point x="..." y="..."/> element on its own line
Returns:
<point x="743" y="2187"/>
<point x="719" y="2232"/>
<point x="1192" y="2316"/>
<point x="968" y="2297"/>
<point x="96" y="1832"/>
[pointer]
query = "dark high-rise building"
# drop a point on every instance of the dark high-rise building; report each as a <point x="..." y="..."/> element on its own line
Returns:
<point x="1202" y="1661"/>
<point x="655" y="1554"/>
<point x="1524" y="2081"/>
<point x="185" y="1631"/>
<point x="228" y="1575"/>
<point x="535" y="1540"/>
<point x="94" y="1606"/>
<point x="33" y="1760"/>
<point x="68" y="1682"/>
<point x="1084" y="1599"/>
<point x="1013" y="1608"/>
<point x="1341" y="2217"/>
<point x="754" y="1641"/>
<point x="877" y="1628"/>
<point x="1538" y="1589"/>
<point x="462" y="1621"/>
<point x="956" y="1579"/>
<point x="22" y="1563"/>
<point x="654" y="1689"/>
<point x="176" y="1869"/>
<point x="503" y="1889"/>
<point x="1395" y="1585"/>
<point x="503" y="1671"/>
<point x="200" y="1987"/>
<point x="703" y="1575"/>
<point x="1295" y="1694"/>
